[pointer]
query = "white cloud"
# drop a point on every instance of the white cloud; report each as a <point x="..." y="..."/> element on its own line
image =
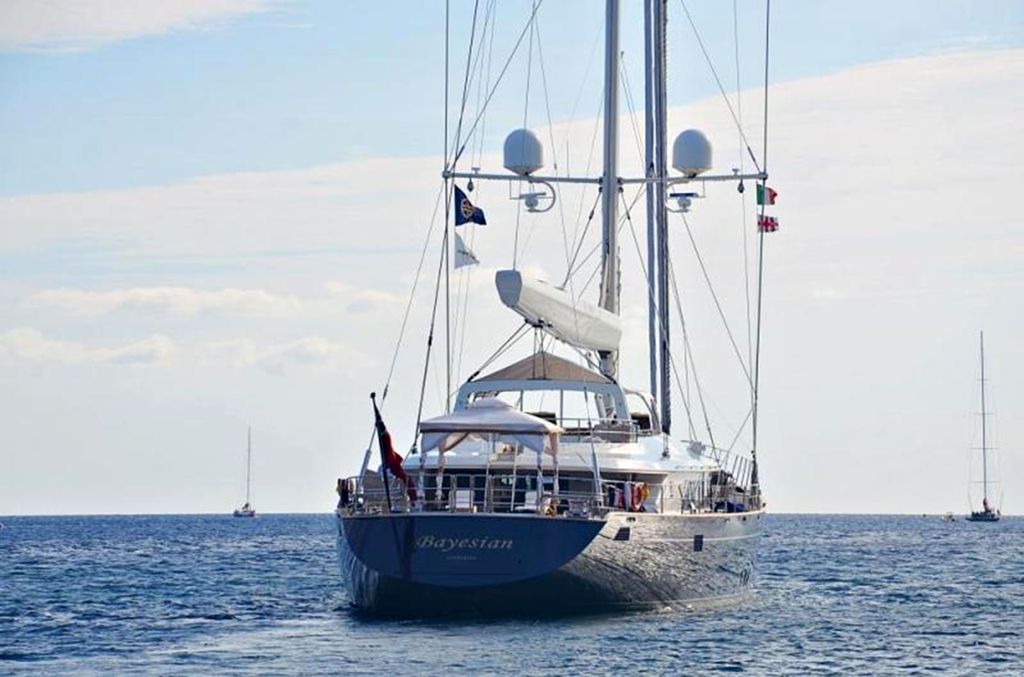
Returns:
<point x="29" y="345"/>
<point x="325" y="208"/>
<point x="72" y="25"/>
<point x="312" y="351"/>
<point x="361" y="299"/>
<point x="176" y="300"/>
<point x="192" y="301"/>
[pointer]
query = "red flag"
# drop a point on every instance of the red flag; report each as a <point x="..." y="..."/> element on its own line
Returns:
<point x="390" y="459"/>
<point x="767" y="224"/>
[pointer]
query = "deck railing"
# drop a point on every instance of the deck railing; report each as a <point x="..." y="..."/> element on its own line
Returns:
<point x="477" y="492"/>
<point x="522" y="493"/>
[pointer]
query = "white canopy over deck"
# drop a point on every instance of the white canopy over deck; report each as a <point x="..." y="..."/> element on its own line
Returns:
<point x="490" y="418"/>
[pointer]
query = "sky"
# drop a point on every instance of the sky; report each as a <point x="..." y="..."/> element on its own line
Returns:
<point x="212" y="215"/>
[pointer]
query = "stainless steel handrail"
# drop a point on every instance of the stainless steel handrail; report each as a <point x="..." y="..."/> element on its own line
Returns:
<point x="479" y="492"/>
<point x="494" y="493"/>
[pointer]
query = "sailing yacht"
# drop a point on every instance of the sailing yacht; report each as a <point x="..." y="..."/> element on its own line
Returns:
<point x="988" y="513"/>
<point x="247" y="510"/>
<point x="547" y="485"/>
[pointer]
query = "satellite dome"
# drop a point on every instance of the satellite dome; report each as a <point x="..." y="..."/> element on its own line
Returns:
<point x="523" y="152"/>
<point x="691" y="153"/>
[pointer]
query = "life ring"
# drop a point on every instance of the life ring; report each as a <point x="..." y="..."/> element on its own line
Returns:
<point x="641" y="492"/>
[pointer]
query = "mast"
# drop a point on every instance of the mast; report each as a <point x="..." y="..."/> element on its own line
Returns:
<point x="660" y="212"/>
<point x="652" y="261"/>
<point x="609" y="180"/>
<point x="655" y="130"/>
<point x="248" y="465"/>
<point x="984" y="422"/>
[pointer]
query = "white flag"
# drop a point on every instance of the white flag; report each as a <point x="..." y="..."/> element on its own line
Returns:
<point x="463" y="255"/>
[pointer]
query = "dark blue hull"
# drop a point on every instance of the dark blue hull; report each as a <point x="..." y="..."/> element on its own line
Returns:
<point x="454" y="564"/>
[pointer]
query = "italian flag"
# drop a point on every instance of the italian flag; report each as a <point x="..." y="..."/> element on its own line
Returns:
<point x="766" y="195"/>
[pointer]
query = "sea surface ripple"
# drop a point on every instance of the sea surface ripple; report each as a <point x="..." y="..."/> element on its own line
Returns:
<point x="187" y="595"/>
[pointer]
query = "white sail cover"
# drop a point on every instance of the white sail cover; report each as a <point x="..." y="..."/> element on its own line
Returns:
<point x="487" y="417"/>
<point x="578" y="323"/>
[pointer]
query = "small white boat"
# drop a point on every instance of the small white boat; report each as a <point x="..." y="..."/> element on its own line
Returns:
<point x="247" y="510"/>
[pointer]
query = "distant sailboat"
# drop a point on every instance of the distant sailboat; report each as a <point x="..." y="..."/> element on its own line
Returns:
<point x="247" y="510"/>
<point x="987" y="512"/>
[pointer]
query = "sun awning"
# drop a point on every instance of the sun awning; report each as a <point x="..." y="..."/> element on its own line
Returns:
<point x="544" y="366"/>
<point x="487" y="417"/>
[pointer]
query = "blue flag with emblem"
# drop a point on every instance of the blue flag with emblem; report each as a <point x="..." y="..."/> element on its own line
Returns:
<point x="465" y="212"/>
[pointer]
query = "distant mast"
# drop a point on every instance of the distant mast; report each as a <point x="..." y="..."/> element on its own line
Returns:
<point x="984" y="425"/>
<point x="248" y="466"/>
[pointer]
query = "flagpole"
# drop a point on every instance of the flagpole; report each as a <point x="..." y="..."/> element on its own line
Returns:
<point x="380" y="445"/>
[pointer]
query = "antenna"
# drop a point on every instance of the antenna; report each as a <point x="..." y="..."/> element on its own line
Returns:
<point x="248" y="466"/>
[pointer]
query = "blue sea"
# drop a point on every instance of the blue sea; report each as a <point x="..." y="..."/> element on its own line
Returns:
<point x="188" y="595"/>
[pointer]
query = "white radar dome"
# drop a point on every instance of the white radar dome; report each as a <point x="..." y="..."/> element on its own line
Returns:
<point x="691" y="153"/>
<point x="523" y="152"/>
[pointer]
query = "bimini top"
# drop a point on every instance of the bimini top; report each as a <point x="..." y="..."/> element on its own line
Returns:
<point x="486" y="417"/>
<point x="543" y="366"/>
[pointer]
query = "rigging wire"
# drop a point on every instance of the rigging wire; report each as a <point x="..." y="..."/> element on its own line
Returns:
<point x="525" y="113"/>
<point x="586" y="172"/>
<point x="490" y="18"/>
<point x="739" y="431"/>
<point x="450" y="185"/>
<point x="444" y="240"/>
<point x="579" y="95"/>
<point x="462" y="291"/>
<point x="743" y="201"/>
<point x="632" y="109"/>
<point x="718" y="80"/>
<point x="714" y="297"/>
<point x="501" y="75"/>
<point x="578" y="245"/>
<point x="447" y="251"/>
<point x="597" y="247"/>
<point x="554" y="147"/>
<point x="482" y="80"/>
<point x="593" y="139"/>
<point x="650" y="291"/>
<point x="443" y="261"/>
<point x="689" y="352"/>
<point x="447" y="215"/>
<point x="551" y="136"/>
<point x="405" y="323"/>
<point x="760" y="255"/>
<point x="465" y="90"/>
<point x="430" y="335"/>
<point x="508" y="343"/>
